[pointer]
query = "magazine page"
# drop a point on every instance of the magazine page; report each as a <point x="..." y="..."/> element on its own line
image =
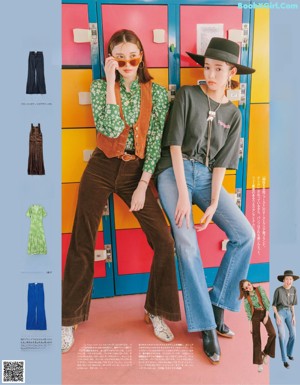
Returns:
<point x="126" y="262"/>
<point x="30" y="192"/>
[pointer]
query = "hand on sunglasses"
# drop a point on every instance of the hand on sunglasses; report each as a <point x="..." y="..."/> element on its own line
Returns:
<point x="111" y="65"/>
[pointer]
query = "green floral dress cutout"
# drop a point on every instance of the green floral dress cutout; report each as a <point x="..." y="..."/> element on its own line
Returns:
<point x="36" y="239"/>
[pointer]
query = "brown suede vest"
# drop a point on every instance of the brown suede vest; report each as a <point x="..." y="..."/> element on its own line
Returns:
<point x="257" y="292"/>
<point x="113" y="147"/>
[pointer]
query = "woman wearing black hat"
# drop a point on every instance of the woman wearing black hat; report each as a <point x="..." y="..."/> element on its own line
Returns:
<point x="284" y="300"/>
<point x="200" y="142"/>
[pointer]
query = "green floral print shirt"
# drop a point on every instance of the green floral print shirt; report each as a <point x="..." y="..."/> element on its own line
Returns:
<point x="108" y="120"/>
<point x="255" y="302"/>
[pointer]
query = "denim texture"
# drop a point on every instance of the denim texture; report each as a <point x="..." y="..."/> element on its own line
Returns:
<point x="102" y="177"/>
<point x="36" y="316"/>
<point x="286" y="343"/>
<point x="235" y="262"/>
<point x="36" y="78"/>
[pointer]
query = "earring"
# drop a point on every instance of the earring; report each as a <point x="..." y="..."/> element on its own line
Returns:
<point x="141" y="65"/>
<point x="229" y="83"/>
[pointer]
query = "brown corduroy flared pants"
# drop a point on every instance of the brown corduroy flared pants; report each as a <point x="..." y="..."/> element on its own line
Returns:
<point x="257" y="318"/>
<point x="102" y="177"/>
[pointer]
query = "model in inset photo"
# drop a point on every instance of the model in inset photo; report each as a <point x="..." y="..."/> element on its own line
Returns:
<point x="257" y="307"/>
<point x="284" y="300"/>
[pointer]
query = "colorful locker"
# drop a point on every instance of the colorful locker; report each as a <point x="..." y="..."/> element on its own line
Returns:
<point x="168" y="64"/>
<point x="78" y="134"/>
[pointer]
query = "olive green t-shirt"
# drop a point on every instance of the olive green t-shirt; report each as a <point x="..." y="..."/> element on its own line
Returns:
<point x="187" y="127"/>
<point x="284" y="297"/>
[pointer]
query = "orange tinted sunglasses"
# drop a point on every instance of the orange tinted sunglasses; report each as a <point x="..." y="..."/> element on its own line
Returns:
<point x="134" y="62"/>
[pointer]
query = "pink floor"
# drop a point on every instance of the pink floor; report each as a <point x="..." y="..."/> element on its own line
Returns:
<point x="119" y="320"/>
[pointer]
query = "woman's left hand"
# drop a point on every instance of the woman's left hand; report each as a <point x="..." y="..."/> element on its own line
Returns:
<point x="207" y="217"/>
<point x="138" y="197"/>
<point x="265" y="320"/>
<point x="293" y="320"/>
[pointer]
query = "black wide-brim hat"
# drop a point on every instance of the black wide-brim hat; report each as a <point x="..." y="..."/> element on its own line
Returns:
<point x="223" y="50"/>
<point x="287" y="273"/>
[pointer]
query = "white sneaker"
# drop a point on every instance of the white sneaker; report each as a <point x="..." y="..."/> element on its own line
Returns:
<point x="260" y="368"/>
<point x="161" y="329"/>
<point x="67" y="338"/>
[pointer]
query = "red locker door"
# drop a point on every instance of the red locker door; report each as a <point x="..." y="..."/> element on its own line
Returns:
<point x="74" y="16"/>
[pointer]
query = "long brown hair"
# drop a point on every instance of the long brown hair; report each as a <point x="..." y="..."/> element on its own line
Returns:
<point x="244" y="293"/>
<point x="127" y="36"/>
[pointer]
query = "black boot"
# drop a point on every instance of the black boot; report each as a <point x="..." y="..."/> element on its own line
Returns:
<point x="222" y="329"/>
<point x="211" y="345"/>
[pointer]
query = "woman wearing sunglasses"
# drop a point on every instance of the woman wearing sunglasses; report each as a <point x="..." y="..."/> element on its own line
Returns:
<point x="129" y="113"/>
<point x="257" y="307"/>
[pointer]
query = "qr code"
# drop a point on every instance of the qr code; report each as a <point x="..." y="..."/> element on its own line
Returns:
<point x="13" y="371"/>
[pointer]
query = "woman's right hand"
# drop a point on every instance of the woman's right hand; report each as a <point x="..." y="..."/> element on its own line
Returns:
<point x="183" y="210"/>
<point x="110" y="69"/>
<point x="278" y="320"/>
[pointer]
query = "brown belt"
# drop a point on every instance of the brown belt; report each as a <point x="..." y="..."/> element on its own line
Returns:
<point x="127" y="157"/>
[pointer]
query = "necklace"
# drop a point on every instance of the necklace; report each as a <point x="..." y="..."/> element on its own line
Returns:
<point x="211" y="113"/>
<point x="288" y="294"/>
<point x="210" y="118"/>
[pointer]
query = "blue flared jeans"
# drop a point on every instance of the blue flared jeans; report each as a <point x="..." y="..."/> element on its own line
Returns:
<point x="235" y="262"/>
<point x="286" y="344"/>
<point x="36" y="316"/>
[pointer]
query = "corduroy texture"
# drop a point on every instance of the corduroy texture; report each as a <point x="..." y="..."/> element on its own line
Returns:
<point x="102" y="177"/>
<point x="35" y="158"/>
<point x="269" y="349"/>
<point x="116" y="146"/>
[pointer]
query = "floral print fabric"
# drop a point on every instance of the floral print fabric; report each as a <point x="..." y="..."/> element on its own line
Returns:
<point x="36" y="239"/>
<point x="108" y="120"/>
